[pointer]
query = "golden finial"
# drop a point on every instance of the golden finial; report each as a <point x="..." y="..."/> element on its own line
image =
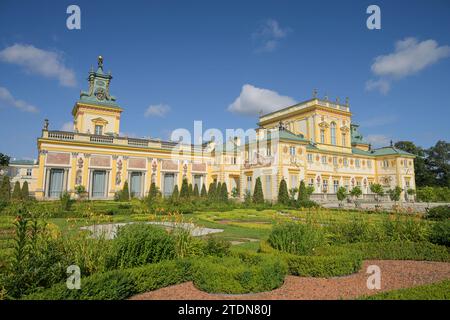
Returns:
<point x="100" y="61"/>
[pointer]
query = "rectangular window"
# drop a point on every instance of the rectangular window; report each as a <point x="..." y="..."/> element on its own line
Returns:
<point x="311" y="182"/>
<point x="369" y="164"/>
<point x="343" y="140"/>
<point x="249" y="184"/>
<point x="136" y="184"/>
<point x="335" y="186"/>
<point x="310" y="157"/>
<point x="324" y="159"/>
<point x="29" y="172"/>
<point x="98" y="130"/>
<point x="292" y="151"/>
<point x="335" y="162"/>
<point x="169" y="184"/>
<point x="293" y="181"/>
<point x="357" y="163"/>
<point x="345" y="162"/>
<point x="322" y="136"/>
<point x="385" y="164"/>
<point x="325" y="186"/>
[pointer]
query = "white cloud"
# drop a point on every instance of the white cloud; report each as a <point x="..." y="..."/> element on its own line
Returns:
<point x="378" y="140"/>
<point x="378" y="121"/>
<point x="37" y="61"/>
<point x="383" y="86"/>
<point x="409" y="57"/>
<point x="157" y="110"/>
<point x="67" y="126"/>
<point x="253" y="100"/>
<point x="268" y="35"/>
<point x="7" y="98"/>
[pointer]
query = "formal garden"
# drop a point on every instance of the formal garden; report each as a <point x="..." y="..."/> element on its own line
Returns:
<point x="250" y="246"/>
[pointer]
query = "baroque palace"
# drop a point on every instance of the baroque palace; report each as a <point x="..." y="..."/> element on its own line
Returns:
<point x="314" y="141"/>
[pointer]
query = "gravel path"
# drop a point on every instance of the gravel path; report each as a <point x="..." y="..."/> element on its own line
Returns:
<point x="395" y="274"/>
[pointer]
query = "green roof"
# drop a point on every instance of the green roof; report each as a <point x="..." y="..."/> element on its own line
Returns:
<point x="22" y="162"/>
<point x="385" y="151"/>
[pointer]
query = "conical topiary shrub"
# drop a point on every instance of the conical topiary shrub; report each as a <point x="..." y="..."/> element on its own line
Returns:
<point x="283" y="195"/>
<point x="196" y="194"/>
<point x="224" y="192"/>
<point x="203" y="193"/>
<point x="258" y="195"/>
<point x="17" y="193"/>
<point x="25" y="192"/>
<point x="5" y="189"/>
<point x="125" y="193"/>
<point x="175" y="194"/>
<point x="184" y="192"/>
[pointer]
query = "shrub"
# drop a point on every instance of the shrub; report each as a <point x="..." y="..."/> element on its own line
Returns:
<point x="407" y="229"/>
<point x="392" y="250"/>
<point x="296" y="238"/>
<point x="124" y="194"/>
<point x="438" y="213"/>
<point x="434" y="291"/>
<point x="258" y="196"/>
<point x="25" y="194"/>
<point x="283" y="196"/>
<point x="138" y="244"/>
<point x="303" y="194"/>
<point x="341" y="194"/>
<point x="216" y="247"/>
<point x="244" y="273"/>
<point x="175" y="194"/>
<point x="223" y="193"/>
<point x="203" y="192"/>
<point x="378" y="190"/>
<point x="112" y="285"/>
<point x="440" y="233"/>
<point x="324" y="266"/>
<point x="306" y="204"/>
<point x="196" y="193"/>
<point x="65" y="200"/>
<point x="184" y="192"/>
<point x="5" y="189"/>
<point x="212" y="191"/>
<point x="17" y="193"/>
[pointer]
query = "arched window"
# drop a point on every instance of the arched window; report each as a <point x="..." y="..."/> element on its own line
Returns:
<point x="333" y="133"/>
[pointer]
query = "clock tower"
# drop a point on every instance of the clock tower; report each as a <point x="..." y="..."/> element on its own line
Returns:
<point x="96" y="112"/>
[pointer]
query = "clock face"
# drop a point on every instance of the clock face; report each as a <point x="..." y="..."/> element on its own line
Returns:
<point x="100" y="94"/>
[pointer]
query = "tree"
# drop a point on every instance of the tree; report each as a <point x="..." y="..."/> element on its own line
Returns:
<point x="235" y="192"/>
<point x="283" y="196"/>
<point x="175" y="194"/>
<point x="302" y="192"/>
<point x="258" y="195"/>
<point x="423" y="174"/>
<point x="218" y="191"/>
<point x="25" y="193"/>
<point x="425" y="194"/>
<point x="17" y="193"/>
<point x="394" y="194"/>
<point x="125" y="193"/>
<point x="4" y="160"/>
<point x="190" y="190"/>
<point x="196" y="194"/>
<point x="212" y="191"/>
<point x="377" y="189"/>
<point x="5" y="189"/>
<point x="184" y="192"/>
<point x="356" y="192"/>
<point x="292" y="194"/>
<point x="341" y="194"/>
<point x="438" y="161"/>
<point x="224" y="192"/>
<point x="411" y="192"/>
<point x="203" y="193"/>
<point x="153" y="192"/>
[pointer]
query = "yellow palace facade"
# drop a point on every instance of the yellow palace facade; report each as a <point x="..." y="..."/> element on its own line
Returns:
<point x="314" y="141"/>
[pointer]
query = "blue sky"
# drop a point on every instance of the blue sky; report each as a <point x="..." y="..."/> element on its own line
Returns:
<point x="174" y="62"/>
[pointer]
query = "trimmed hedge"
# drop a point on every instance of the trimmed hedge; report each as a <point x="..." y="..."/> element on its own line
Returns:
<point x="330" y="265"/>
<point x="394" y="250"/>
<point x="438" y="213"/>
<point x="440" y="233"/>
<point x="435" y="291"/>
<point x="243" y="273"/>
<point x="240" y="273"/>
